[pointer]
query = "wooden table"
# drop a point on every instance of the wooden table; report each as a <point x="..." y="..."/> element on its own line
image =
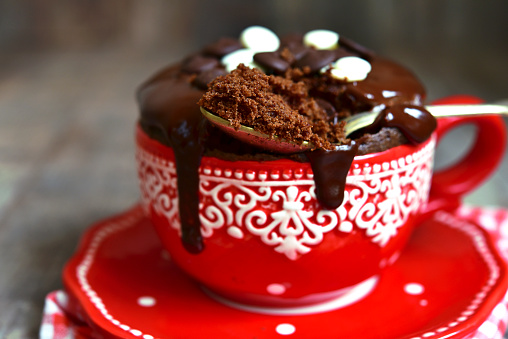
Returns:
<point x="67" y="160"/>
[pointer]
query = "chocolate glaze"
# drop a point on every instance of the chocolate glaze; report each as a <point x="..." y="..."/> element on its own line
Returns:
<point x="416" y="123"/>
<point x="166" y="106"/>
<point x="170" y="114"/>
<point x="330" y="171"/>
<point x="388" y="84"/>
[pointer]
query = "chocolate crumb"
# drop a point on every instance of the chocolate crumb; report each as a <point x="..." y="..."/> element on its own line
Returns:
<point x="273" y="105"/>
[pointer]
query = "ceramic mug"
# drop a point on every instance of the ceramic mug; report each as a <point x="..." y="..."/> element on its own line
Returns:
<point x="269" y="243"/>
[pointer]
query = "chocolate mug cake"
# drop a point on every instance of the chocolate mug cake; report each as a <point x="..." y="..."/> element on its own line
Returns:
<point x="297" y="87"/>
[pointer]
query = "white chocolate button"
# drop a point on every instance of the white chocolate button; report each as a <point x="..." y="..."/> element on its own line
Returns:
<point x="346" y="75"/>
<point x="241" y="56"/>
<point x="321" y="39"/>
<point x="259" y="39"/>
<point x="351" y="69"/>
<point x="285" y="329"/>
<point x="356" y="63"/>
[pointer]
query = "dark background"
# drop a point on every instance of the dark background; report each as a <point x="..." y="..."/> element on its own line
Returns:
<point x="462" y="43"/>
<point x="69" y="69"/>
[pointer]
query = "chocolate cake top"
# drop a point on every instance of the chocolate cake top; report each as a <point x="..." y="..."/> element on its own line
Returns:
<point x="320" y="80"/>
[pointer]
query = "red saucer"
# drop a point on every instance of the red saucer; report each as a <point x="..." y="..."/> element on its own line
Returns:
<point x="444" y="285"/>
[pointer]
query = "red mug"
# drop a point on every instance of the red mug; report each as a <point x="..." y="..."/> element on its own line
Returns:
<point x="271" y="247"/>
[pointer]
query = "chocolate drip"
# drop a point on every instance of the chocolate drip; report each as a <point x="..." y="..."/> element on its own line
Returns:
<point x="188" y="151"/>
<point x="330" y="171"/>
<point x="169" y="105"/>
<point x="416" y="123"/>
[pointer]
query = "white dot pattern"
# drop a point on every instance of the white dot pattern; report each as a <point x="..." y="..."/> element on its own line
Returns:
<point x="276" y="289"/>
<point x="285" y="329"/>
<point x="414" y="288"/>
<point x="146" y="301"/>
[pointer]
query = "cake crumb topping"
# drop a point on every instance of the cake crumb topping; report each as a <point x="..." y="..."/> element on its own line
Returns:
<point x="274" y="105"/>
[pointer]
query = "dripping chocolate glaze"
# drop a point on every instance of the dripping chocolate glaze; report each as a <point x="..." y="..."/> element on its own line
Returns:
<point x="331" y="167"/>
<point x="166" y="106"/>
<point x="330" y="170"/>
<point x="170" y="114"/>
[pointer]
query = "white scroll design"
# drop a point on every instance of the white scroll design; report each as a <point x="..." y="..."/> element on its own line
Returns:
<point x="158" y="186"/>
<point x="403" y="192"/>
<point x="285" y="214"/>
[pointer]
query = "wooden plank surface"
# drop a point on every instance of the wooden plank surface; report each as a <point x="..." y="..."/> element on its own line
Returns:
<point x="67" y="160"/>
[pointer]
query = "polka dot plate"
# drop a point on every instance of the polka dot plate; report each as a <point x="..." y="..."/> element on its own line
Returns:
<point x="444" y="285"/>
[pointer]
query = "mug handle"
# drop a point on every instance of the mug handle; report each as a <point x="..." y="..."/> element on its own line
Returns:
<point x="451" y="183"/>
